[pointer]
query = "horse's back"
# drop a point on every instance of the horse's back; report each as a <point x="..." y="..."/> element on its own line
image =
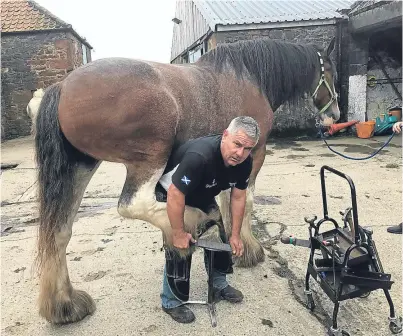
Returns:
<point x="122" y="110"/>
<point x="112" y="73"/>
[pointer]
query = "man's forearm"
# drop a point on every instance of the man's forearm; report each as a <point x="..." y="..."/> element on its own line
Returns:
<point x="237" y="212"/>
<point x="176" y="209"/>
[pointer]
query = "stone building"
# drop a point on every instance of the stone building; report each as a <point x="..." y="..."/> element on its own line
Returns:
<point x="202" y="25"/>
<point x="367" y="55"/>
<point x="375" y="63"/>
<point x="37" y="50"/>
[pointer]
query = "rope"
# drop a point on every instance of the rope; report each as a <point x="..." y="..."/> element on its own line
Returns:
<point x="352" y="158"/>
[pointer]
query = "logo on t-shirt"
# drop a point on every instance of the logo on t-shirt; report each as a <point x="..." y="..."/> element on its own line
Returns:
<point x="213" y="184"/>
<point x="232" y="184"/>
<point x="185" y="180"/>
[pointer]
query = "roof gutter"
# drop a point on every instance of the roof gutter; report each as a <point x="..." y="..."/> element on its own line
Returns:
<point x="273" y="25"/>
<point x="65" y="29"/>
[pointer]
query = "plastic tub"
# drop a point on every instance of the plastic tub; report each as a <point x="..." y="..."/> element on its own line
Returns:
<point x="365" y="129"/>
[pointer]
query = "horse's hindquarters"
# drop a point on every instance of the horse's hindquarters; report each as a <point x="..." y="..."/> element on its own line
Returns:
<point x="130" y="118"/>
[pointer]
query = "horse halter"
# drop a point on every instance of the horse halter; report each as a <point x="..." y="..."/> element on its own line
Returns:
<point x="321" y="81"/>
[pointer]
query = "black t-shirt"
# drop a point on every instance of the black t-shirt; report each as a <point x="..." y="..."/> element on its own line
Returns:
<point x="197" y="169"/>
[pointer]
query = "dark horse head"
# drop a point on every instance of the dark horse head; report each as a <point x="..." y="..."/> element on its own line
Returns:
<point x="324" y="93"/>
<point x="284" y="71"/>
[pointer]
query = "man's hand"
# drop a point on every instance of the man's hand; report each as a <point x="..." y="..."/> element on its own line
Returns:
<point x="397" y="127"/>
<point x="181" y="239"/>
<point x="236" y="245"/>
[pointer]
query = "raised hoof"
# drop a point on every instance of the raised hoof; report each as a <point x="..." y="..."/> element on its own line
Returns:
<point x="69" y="310"/>
<point x="253" y="255"/>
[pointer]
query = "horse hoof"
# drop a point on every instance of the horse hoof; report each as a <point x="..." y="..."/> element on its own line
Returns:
<point x="69" y="310"/>
<point x="253" y="255"/>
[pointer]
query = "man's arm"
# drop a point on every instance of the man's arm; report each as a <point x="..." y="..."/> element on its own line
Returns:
<point x="176" y="210"/>
<point x="184" y="181"/>
<point x="238" y="201"/>
<point x="175" y="207"/>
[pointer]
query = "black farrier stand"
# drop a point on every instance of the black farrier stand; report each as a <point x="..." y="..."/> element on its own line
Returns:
<point x="210" y="247"/>
<point x="349" y="264"/>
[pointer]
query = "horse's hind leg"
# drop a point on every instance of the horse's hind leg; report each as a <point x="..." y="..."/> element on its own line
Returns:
<point x="59" y="302"/>
<point x="138" y="201"/>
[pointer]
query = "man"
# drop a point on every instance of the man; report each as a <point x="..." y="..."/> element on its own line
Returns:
<point x="196" y="172"/>
<point x="396" y="228"/>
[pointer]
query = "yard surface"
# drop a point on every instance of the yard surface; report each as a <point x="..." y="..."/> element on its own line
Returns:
<point x="119" y="262"/>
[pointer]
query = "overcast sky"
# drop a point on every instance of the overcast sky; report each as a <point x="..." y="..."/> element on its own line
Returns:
<point x="124" y="28"/>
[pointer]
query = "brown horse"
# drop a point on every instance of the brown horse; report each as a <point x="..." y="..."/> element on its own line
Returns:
<point x="136" y="112"/>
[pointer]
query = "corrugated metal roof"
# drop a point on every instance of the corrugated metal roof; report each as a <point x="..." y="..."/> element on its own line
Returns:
<point x="362" y="5"/>
<point x="255" y="12"/>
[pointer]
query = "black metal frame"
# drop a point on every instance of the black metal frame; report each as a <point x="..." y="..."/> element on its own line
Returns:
<point x="344" y="273"/>
<point x="221" y="247"/>
<point x="210" y="292"/>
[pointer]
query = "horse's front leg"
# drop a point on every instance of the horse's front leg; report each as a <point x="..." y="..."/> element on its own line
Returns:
<point x="253" y="250"/>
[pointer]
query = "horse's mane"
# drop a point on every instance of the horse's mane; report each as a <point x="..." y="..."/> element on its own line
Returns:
<point x="282" y="70"/>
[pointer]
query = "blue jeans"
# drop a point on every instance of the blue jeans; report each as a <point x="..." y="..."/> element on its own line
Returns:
<point x="170" y="301"/>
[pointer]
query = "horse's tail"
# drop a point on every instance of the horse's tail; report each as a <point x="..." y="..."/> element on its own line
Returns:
<point x="56" y="161"/>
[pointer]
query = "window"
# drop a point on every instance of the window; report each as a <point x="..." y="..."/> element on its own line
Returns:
<point x="205" y="46"/>
<point x="195" y="54"/>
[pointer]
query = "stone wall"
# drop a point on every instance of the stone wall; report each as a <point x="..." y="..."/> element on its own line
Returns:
<point x="366" y="102"/>
<point x="381" y="97"/>
<point x="376" y="29"/>
<point x="30" y="62"/>
<point x="289" y="120"/>
<point x="358" y="62"/>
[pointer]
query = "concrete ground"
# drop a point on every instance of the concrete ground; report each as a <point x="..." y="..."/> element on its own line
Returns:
<point x="120" y="261"/>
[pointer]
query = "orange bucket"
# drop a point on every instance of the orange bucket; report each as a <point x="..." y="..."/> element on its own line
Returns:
<point x="365" y="129"/>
